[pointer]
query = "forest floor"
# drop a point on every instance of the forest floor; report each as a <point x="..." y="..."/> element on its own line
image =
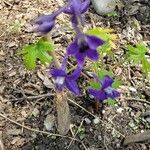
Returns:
<point x="27" y="97"/>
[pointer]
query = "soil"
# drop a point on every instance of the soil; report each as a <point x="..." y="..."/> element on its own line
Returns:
<point x="20" y="88"/>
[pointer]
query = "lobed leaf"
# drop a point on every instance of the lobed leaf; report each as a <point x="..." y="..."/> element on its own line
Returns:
<point x="37" y="51"/>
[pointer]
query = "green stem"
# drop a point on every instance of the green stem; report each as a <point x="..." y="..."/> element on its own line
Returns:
<point x="52" y="53"/>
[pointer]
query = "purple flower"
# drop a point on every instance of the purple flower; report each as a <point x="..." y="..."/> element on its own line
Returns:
<point x="45" y="23"/>
<point x="84" y="45"/>
<point x="77" y="7"/>
<point x="62" y="79"/>
<point x="106" y="90"/>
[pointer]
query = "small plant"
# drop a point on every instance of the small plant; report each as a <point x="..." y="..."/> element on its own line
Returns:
<point x="37" y="51"/>
<point x="93" y="44"/>
<point x="137" y="54"/>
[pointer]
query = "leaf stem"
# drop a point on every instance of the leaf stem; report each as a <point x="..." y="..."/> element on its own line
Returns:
<point x="52" y="53"/>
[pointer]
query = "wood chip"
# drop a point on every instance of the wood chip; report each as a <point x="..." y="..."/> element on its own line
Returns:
<point x="140" y="137"/>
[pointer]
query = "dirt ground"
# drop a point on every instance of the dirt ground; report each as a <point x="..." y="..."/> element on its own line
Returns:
<point x="27" y="97"/>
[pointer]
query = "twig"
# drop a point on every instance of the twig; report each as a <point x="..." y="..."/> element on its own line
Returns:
<point x="36" y="130"/>
<point x="140" y="137"/>
<point x="1" y="142"/>
<point x="105" y="143"/>
<point x="40" y="96"/>
<point x="76" y="133"/>
<point x="82" y="108"/>
<point x="32" y="97"/>
<point x="84" y="146"/>
<point x="136" y="99"/>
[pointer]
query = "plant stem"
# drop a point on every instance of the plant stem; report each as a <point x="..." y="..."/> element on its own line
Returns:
<point x="52" y="53"/>
<point x="62" y="107"/>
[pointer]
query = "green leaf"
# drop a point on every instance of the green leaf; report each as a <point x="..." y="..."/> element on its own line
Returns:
<point x="95" y="85"/>
<point x="47" y="46"/>
<point x="102" y="72"/>
<point x="110" y="102"/>
<point x="137" y="55"/>
<point x="38" y="50"/>
<point x="145" y="66"/>
<point x="105" y="48"/>
<point x="30" y="60"/>
<point x="112" y="14"/>
<point x="44" y="56"/>
<point x="116" y="84"/>
<point x="27" y="48"/>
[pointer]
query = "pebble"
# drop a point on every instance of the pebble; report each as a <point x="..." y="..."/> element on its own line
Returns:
<point x="148" y="119"/>
<point x="96" y="120"/>
<point x="132" y="89"/>
<point x="132" y="114"/>
<point x="49" y="122"/>
<point x="103" y="7"/>
<point x="35" y="112"/>
<point x="119" y="110"/>
<point x="87" y="120"/>
<point x="99" y="137"/>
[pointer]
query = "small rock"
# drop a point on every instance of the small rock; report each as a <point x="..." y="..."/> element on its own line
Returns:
<point x="35" y="112"/>
<point x="119" y="110"/>
<point x="132" y="114"/>
<point x="132" y="125"/>
<point x="132" y="89"/>
<point x="49" y="122"/>
<point x="87" y="120"/>
<point x="99" y="137"/>
<point x="117" y="145"/>
<point x="91" y="129"/>
<point x="103" y="7"/>
<point x="142" y="131"/>
<point x="96" y="120"/>
<point x="148" y="119"/>
<point x="24" y="113"/>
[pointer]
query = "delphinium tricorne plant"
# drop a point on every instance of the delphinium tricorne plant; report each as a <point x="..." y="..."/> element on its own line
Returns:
<point x="83" y="46"/>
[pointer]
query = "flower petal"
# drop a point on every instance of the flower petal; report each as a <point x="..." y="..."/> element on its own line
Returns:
<point x="107" y="82"/>
<point x="98" y="94"/>
<point x="72" y="49"/>
<point x="94" y="41"/>
<point x="69" y="10"/>
<point x="45" y="27"/>
<point x="57" y="73"/>
<point x="43" y="18"/>
<point x="116" y="94"/>
<point x="72" y="86"/>
<point x="92" y="54"/>
<point x="85" y="6"/>
<point x="75" y="75"/>
<point x="80" y="58"/>
<point x="76" y="4"/>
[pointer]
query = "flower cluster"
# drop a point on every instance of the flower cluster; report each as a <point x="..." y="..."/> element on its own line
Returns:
<point x="82" y="46"/>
